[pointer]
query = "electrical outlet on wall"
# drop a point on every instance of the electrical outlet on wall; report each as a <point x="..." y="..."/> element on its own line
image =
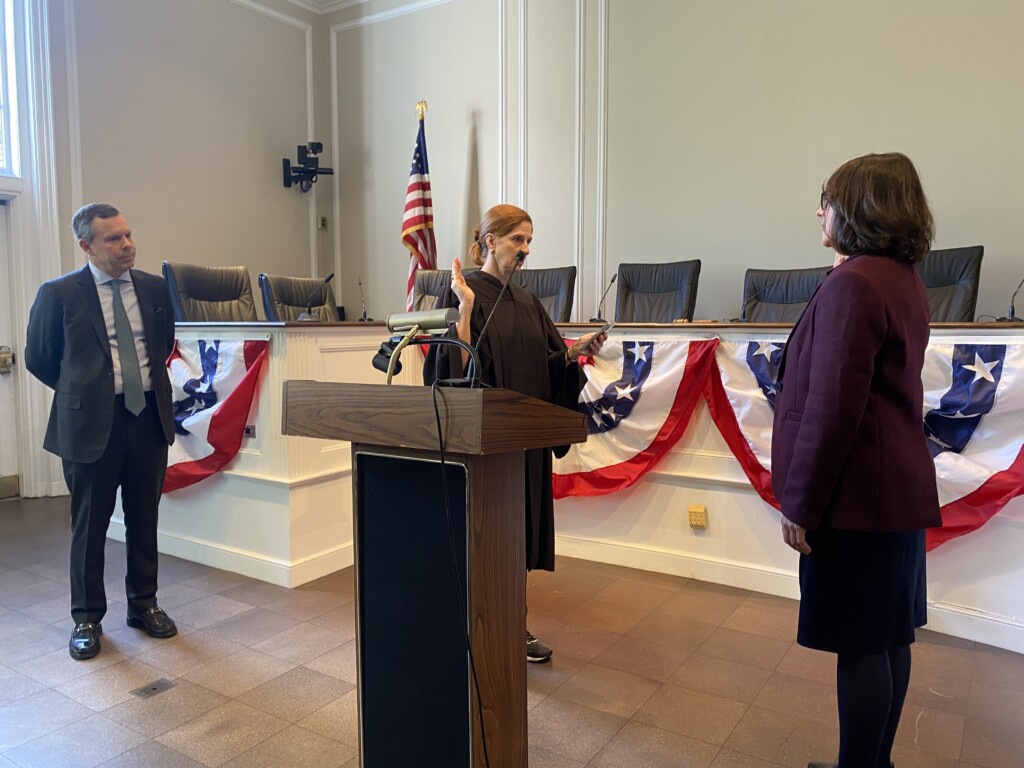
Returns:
<point x="698" y="516"/>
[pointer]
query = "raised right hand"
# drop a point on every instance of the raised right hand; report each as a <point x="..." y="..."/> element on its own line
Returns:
<point x="459" y="288"/>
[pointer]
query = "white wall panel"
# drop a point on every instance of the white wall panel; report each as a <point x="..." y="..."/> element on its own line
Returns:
<point x="447" y="55"/>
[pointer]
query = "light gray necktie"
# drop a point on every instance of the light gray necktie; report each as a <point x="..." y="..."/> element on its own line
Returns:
<point x="131" y="376"/>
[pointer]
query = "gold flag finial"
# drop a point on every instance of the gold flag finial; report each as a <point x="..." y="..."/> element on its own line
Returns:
<point x="421" y="109"/>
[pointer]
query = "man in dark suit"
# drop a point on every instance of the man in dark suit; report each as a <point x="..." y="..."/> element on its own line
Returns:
<point x="99" y="337"/>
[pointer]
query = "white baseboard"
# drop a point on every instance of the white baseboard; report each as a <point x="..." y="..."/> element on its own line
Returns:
<point x="944" y="618"/>
<point x="970" y="624"/>
<point x="757" y="578"/>
<point x="251" y="564"/>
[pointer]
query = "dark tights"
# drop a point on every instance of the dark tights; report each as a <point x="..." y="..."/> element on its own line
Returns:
<point x="871" y="690"/>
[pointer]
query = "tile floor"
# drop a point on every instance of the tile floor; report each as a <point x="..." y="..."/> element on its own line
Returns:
<point x="649" y="670"/>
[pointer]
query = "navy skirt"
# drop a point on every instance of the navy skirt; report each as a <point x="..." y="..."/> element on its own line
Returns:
<point x="861" y="591"/>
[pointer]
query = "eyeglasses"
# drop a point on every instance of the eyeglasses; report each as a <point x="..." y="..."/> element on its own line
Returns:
<point x="825" y="201"/>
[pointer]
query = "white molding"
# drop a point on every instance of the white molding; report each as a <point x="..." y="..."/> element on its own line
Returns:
<point x="579" y="104"/>
<point x="252" y="5"/>
<point x="757" y="578"/>
<point x="971" y="624"/>
<point x="252" y="564"/>
<point x="523" y="103"/>
<point x="335" y="163"/>
<point x="601" y="183"/>
<point x="502" y="101"/>
<point x="35" y="239"/>
<point x="74" y="108"/>
<point x="323" y="10"/>
<point x="394" y="13"/>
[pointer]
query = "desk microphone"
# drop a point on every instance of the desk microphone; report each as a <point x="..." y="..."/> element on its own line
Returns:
<point x="308" y="314"/>
<point x="362" y="298"/>
<point x="750" y="298"/>
<point x="518" y="260"/>
<point x="1012" y="317"/>
<point x="600" y="304"/>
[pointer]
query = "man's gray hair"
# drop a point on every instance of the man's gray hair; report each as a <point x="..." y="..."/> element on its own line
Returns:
<point x="81" y="222"/>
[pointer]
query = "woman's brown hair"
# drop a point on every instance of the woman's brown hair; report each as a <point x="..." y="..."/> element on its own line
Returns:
<point x="878" y="207"/>
<point x="498" y="221"/>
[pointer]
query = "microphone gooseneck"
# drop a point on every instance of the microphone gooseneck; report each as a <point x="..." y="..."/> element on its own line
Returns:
<point x="600" y="304"/>
<point x="314" y="292"/>
<point x="362" y="299"/>
<point x="1012" y="317"/>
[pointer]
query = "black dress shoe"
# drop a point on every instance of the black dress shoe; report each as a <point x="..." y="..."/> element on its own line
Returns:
<point x="154" y="621"/>
<point x="85" y="640"/>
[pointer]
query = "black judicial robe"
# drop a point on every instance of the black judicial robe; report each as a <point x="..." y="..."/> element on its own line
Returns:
<point x="522" y="351"/>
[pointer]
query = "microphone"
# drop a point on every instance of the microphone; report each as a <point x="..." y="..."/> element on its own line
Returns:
<point x="1012" y="317"/>
<point x="362" y="298"/>
<point x="518" y="260"/>
<point x="750" y="298"/>
<point x="600" y="305"/>
<point x="309" y="314"/>
<point x="429" y="321"/>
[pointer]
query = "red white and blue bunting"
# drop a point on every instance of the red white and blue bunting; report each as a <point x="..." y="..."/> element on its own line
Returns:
<point x="640" y="396"/>
<point x="213" y="384"/>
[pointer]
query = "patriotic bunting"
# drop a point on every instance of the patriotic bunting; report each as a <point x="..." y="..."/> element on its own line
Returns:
<point x="213" y="384"/>
<point x="639" y="399"/>
<point x="974" y="421"/>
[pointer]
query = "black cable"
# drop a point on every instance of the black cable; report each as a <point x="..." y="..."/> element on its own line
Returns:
<point x="455" y="574"/>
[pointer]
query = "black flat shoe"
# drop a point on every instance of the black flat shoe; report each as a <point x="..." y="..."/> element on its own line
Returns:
<point x="85" y="640"/>
<point x="154" y="621"/>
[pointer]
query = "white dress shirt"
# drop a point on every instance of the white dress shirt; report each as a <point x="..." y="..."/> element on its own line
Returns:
<point x="131" y="308"/>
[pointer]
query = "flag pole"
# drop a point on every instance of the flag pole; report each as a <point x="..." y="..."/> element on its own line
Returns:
<point x="421" y="109"/>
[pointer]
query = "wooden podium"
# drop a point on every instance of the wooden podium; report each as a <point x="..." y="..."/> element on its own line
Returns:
<point x="417" y="702"/>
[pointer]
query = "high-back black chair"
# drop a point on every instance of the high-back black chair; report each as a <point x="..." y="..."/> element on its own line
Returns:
<point x="553" y="288"/>
<point x="779" y="295"/>
<point x="285" y="298"/>
<point x="428" y="288"/>
<point x="656" y="293"/>
<point x="951" y="277"/>
<point x="210" y="294"/>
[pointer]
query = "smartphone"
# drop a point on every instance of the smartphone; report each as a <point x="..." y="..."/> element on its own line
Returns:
<point x="603" y="329"/>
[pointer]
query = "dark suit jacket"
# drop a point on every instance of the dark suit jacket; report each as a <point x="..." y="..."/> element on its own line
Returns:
<point x="848" y="445"/>
<point x="68" y="350"/>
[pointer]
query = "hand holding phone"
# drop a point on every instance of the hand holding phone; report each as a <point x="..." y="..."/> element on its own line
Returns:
<point x="590" y="349"/>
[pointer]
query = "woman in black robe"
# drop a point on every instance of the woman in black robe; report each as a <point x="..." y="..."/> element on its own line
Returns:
<point x="522" y="351"/>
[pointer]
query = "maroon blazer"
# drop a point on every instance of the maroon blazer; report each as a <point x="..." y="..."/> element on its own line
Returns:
<point x="848" y="443"/>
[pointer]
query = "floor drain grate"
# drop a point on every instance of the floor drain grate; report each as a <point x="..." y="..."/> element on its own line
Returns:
<point x="152" y="689"/>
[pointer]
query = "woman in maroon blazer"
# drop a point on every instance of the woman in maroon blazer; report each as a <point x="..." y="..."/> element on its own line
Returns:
<point x="850" y="465"/>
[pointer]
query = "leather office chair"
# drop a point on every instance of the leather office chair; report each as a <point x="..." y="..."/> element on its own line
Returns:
<point x="779" y="295"/>
<point x="210" y="294"/>
<point x="285" y="298"/>
<point x="656" y="293"/>
<point x="951" y="277"/>
<point x="552" y="287"/>
<point x="429" y="287"/>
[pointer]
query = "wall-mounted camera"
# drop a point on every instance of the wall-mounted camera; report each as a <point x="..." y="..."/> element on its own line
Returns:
<point x="307" y="166"/>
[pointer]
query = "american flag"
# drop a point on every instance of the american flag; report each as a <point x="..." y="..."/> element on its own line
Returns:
<point x="418" y="223"/>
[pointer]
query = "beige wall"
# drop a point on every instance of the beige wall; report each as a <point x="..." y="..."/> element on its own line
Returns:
<point x="182" y="114"/>
<point x="633" y="131"/>
<point x="678" y="129"/>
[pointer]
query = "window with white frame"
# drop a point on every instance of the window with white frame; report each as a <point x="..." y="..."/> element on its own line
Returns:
<point x="8" y="93"/>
